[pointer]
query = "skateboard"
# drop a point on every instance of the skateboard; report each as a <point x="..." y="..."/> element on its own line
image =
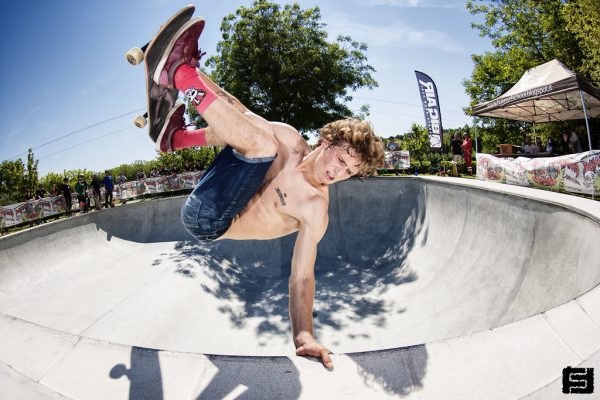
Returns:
<point x="160" y="99"/>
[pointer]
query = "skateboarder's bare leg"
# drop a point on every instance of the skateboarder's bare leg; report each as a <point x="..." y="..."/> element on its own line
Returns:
<point x="242" y="132"/>
<point x="178" y="68"/>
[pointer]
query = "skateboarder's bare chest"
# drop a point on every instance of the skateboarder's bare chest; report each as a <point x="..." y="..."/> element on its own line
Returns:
<point x="277" y="209"/>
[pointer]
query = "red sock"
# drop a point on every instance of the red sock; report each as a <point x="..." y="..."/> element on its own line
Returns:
<point x="189" y="82"/>
<point x="183" y="139"/>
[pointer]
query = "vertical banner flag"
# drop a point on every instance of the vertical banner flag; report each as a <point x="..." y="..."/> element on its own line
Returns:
<point x="431" y="108"/>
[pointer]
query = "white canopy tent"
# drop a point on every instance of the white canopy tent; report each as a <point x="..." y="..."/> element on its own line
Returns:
<point x="547" y="93"/>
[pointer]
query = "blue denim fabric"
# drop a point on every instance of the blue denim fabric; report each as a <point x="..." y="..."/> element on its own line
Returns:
<point x="225" y="189"/>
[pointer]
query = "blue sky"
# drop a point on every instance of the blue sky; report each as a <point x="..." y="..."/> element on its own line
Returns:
<point x="64" y="69"/>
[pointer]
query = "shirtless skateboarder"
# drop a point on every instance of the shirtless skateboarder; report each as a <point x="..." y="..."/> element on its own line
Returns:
<point x="266" y="182"/>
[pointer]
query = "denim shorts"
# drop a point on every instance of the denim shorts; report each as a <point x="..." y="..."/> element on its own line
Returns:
<point x="224" y="190"/>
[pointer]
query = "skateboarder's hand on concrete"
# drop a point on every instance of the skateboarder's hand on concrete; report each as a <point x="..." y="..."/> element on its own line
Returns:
<point x="311" y="347"/>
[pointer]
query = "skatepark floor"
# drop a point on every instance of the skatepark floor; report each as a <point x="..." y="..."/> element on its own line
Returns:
<point x="426" y="288"/>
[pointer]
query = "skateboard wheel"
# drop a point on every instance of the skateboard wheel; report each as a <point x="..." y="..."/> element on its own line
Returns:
<point x="140" y="121"/>
<point x="135" y="56"/>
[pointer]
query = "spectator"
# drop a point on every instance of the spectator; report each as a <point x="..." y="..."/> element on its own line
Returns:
<point x="564" y="147"/>
<point x="529" y="148"/>
<point x="82" y="197"/>
<point x="153" y="173"/>
<point x="467" y="149"/>
<point x="96" y="193"/>
<point x="392" y="145"/>
<point x="41" y="193"/>
<point x="540" y="146"/>
<point x="551" y="148"/>
<point x="54" y="190"/>
<point x="574" y="143"/>
<point x="28" y="196"/>
<point x="108" y="189"/>
<point x="121" y="181"/>
<point x="67" y="194"/>
<point x="141" y="188"/>
<point x="456" y="149"/>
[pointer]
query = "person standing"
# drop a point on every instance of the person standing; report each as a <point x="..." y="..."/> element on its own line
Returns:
<point x="565" y="147"/>
<point x="467" y="149"/>
<point x="81" y="189"/>
<point x="108" y="188"/>
<point x="574" y="143"/>
<point x="67" y="194"/>
<point x="96" y="191"/>
<point x="121" y="181"/>
<point x="456" y="151"/>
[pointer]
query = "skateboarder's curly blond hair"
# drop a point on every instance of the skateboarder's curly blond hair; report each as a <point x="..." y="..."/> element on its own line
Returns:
<point x="361" y="139"/>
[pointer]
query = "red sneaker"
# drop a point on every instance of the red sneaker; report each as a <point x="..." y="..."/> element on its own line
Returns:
<point x="174" y="122"/>
<point x="182" y="49"/>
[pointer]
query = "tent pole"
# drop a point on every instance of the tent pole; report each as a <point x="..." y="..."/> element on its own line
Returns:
<point x="587" y="123"/>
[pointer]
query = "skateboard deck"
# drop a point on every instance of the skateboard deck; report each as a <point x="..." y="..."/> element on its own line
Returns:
<point x="160" y="99"/>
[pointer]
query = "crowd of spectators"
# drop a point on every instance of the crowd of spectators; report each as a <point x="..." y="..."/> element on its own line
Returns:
<point x="93" y="199"/>
<point x="568" y="144"/>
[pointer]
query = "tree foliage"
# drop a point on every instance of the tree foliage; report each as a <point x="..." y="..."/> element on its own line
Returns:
<point x="11" y="181"/>
<point x="526" y="33"/>
<point x="416" y="142"/>
<point x="278" y="62"/>
<point x="582" y="18"/>
<point x="31" y="173"/>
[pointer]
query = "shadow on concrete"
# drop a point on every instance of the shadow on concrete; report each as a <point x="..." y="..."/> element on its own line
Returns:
<point x="363" y="253"/>
<point x="144" y="375"/>
<point x="396" y="371"/>
<point x="259" y="378"/>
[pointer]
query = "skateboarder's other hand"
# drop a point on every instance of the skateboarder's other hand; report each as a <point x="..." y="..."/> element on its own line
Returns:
<point x="313" y="348"/>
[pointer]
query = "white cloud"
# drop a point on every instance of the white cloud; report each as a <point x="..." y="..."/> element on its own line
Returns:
<point x="395" y="35"/>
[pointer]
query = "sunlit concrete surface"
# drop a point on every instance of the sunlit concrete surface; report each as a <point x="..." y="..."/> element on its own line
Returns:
<point x="427" y="288"/>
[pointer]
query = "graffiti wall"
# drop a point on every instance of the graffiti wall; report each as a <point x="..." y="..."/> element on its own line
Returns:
<point x="576" y="173"/>
<point x="397" y="159"/>
<point x="15" y="214"/>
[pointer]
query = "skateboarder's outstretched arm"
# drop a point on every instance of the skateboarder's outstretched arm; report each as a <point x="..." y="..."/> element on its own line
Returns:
<point x="302" y="282"/>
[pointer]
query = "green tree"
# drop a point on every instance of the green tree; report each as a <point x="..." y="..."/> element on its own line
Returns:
<point x="582" y="19"/>
<point x="11" y="181"/>
<point x="31" y="174"/>
<point x="199" y="156"/>
<point x="416" y="141"/>
<point x="277" y="61"/>
<point x="526" y="33"/>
